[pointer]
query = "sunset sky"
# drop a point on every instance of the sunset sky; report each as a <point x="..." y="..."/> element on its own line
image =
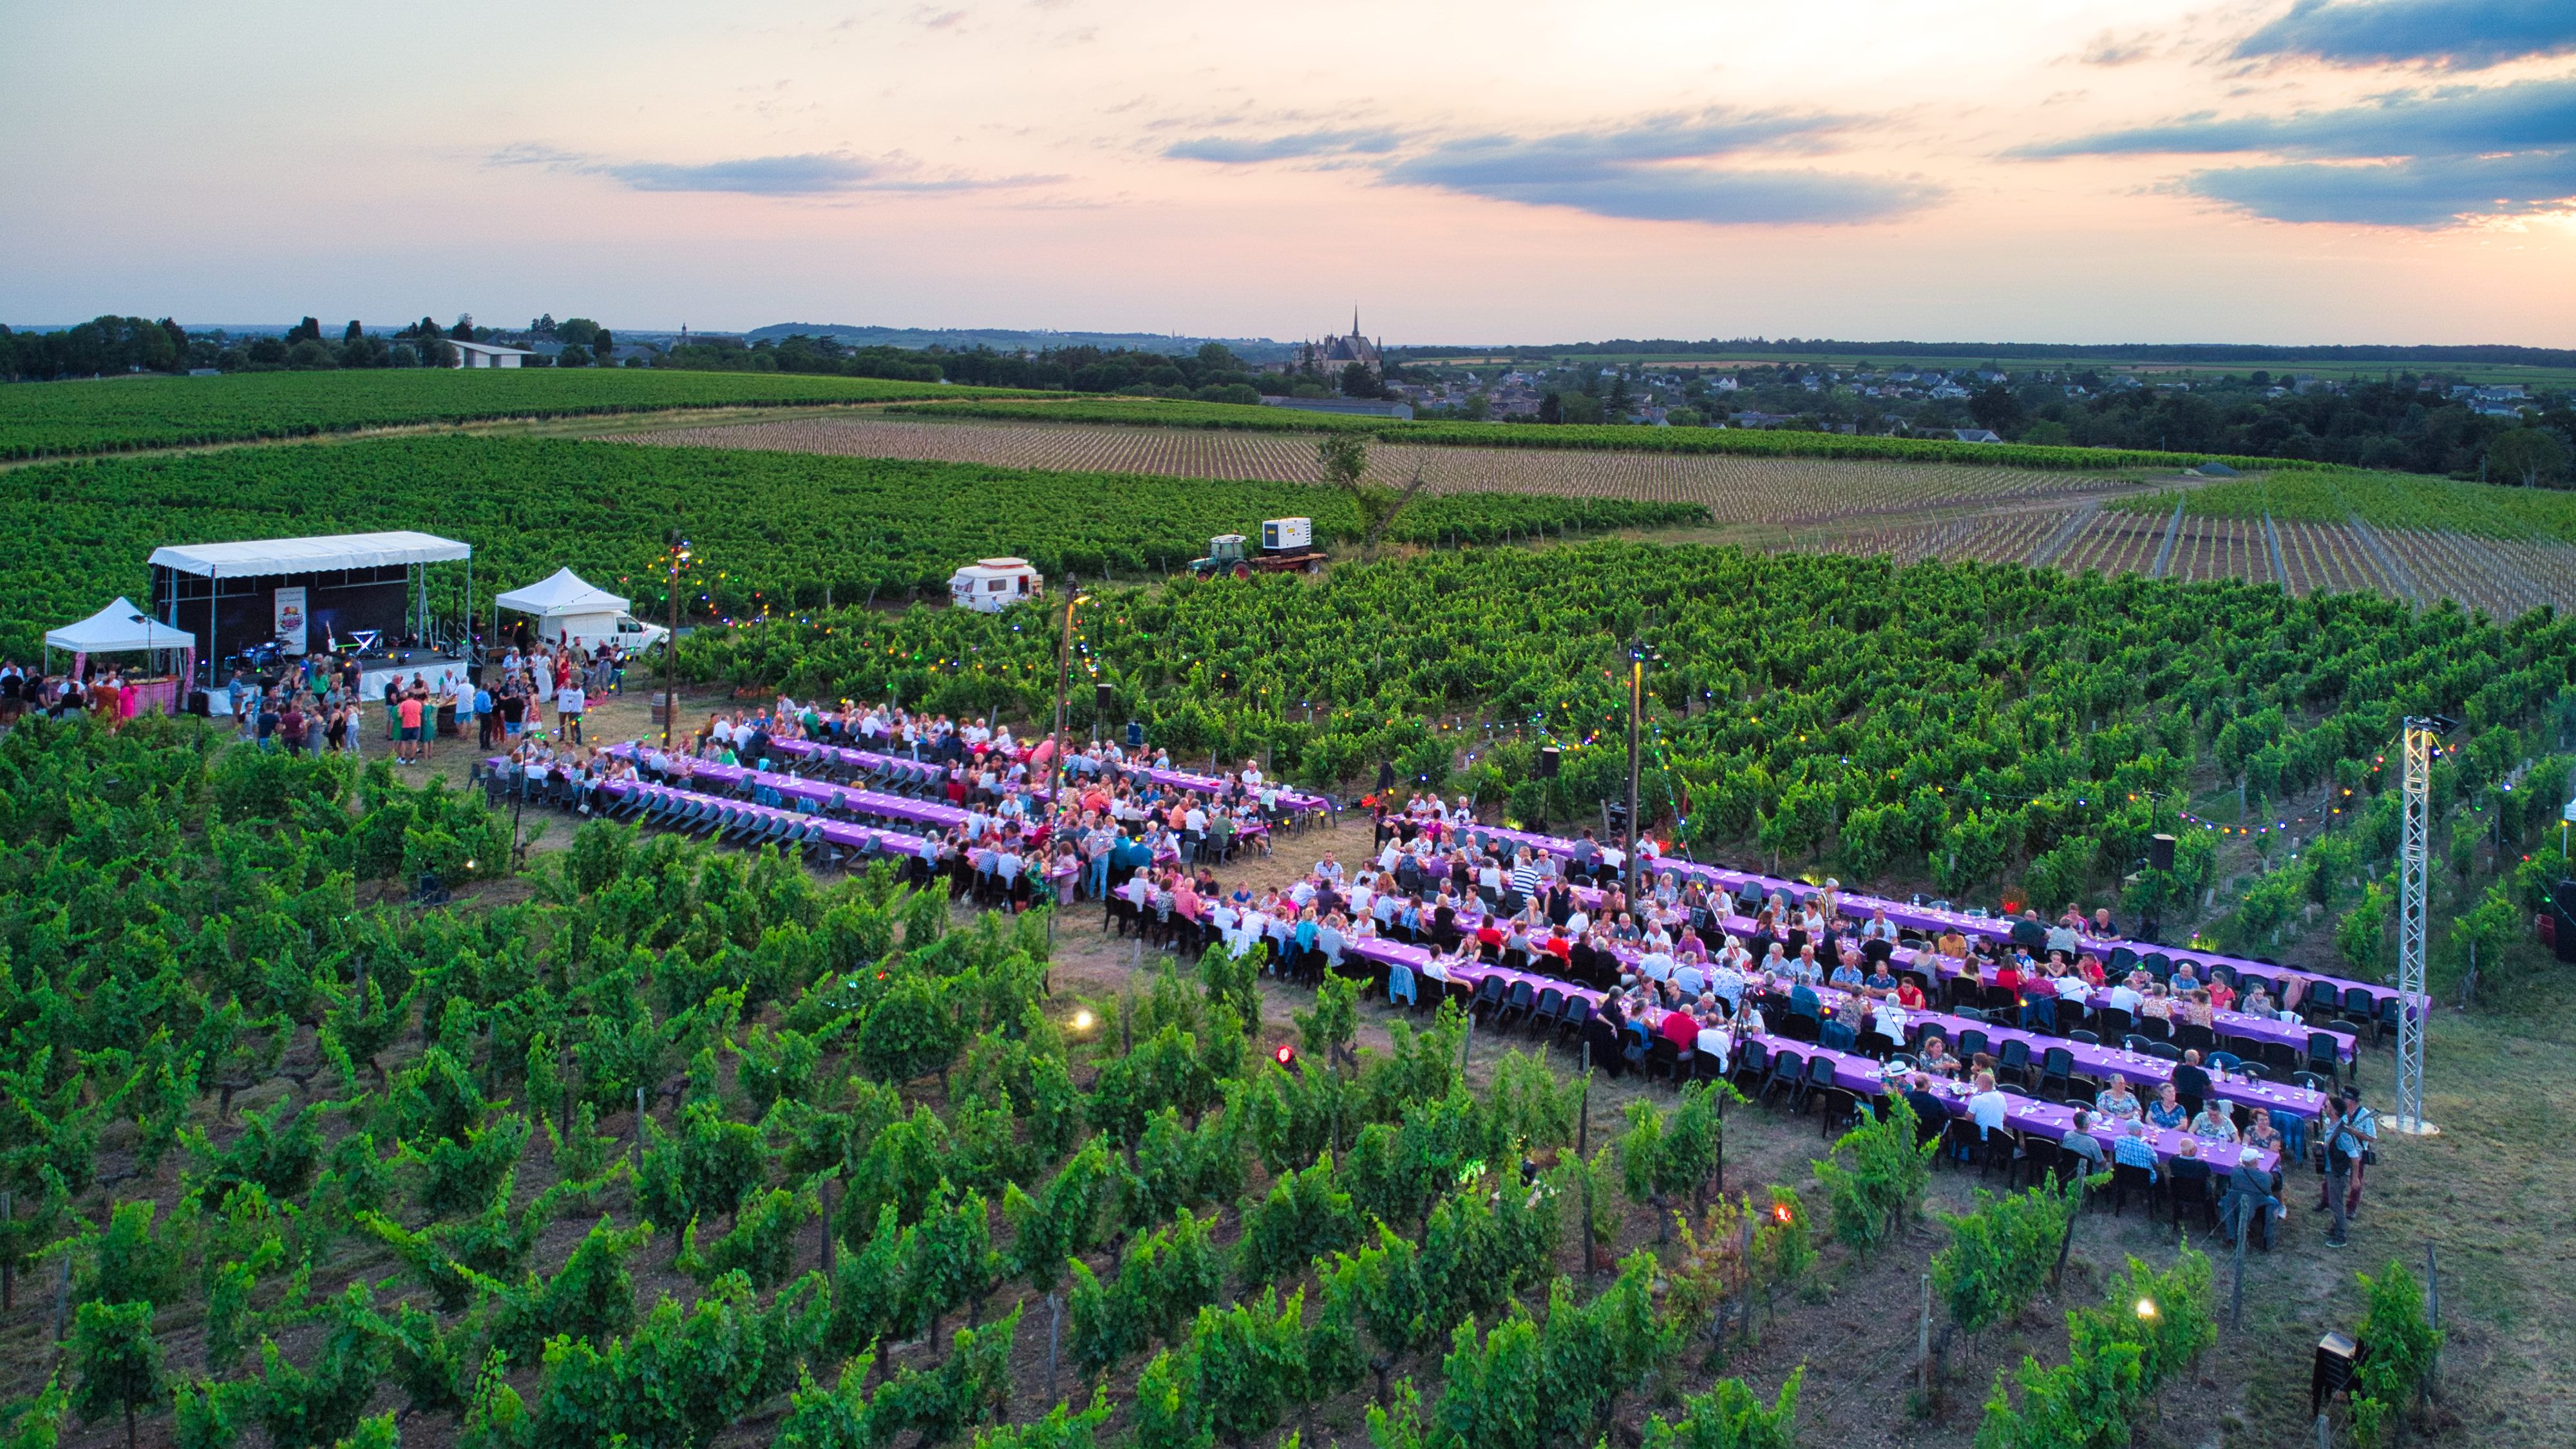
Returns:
<point x="2397" y="171"/>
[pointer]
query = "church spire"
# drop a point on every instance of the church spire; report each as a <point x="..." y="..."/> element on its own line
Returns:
<point x="1355" y="319"/>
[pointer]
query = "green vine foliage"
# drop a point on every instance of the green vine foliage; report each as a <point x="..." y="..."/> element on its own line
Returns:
<point x="1875" y="1179"/>
<point x="2399" y="1348"/>
<point x="1305" y="1216"/>
<point x="1732" y="1416"/>
<point x="1163" y="1280"/>
<point x="2154" y="1325"/>
<point x="2001" y="1255"/>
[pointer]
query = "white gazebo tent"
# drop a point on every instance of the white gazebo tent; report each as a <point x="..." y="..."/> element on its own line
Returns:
<point x="567" y="606"/>
<point x="120" y="628"/>
<point x="559" y="593"/>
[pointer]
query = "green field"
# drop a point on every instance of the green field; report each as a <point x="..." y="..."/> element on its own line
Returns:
<point x="49" y="419"/>
<point x="773" y="530"/>
<point x="2384" y="500"/>
<point x="1176" y="413"/>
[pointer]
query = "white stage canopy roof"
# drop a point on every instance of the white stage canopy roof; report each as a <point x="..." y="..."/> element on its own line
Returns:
<point x="117" y="629"/>
<point x="266" y="556"/>
<point x="563" y="592"/>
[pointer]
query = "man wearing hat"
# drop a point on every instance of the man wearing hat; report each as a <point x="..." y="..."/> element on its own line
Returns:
<point x="2349" y="1138"/>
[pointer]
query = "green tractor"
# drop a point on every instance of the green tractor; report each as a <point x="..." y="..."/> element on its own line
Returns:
<point x="1287" y="546"/>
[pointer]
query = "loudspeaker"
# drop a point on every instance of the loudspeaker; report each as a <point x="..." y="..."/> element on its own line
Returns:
<point x="198" y="704"/>
<point x="2562" y="902"/>
<point x="1549" y="759"/>
<point x="2337" y="1358"/>
<point x="2160" y="851"/>
<point x="1104" y="698"/>
<point x="1135" y="735"/>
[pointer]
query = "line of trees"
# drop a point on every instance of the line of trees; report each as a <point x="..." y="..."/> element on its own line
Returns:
<point x="94" y="348"/>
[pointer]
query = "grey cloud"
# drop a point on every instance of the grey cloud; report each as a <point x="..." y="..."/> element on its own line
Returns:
<point x="2466" y="34"/>
<point x="2437" y="155"/>
<point x="2425" y="193"/>
<point x="2517" y="117"/>
<point x="1656" y="169"/>
<point x="1242" y="151"/>
<point x="806" y="174"/>
<point x="1723" y="197"/>
<point x="2108" y="49"/>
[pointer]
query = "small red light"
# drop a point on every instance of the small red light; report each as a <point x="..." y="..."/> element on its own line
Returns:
<point x="1780" y="1210"/>
<point x="1286" y="1054"/>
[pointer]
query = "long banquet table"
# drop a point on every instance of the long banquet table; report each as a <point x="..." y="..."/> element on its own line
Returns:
<point x="1868" y="1077"/>
<point x="1935" y="968"/>
<point x="822" y="792"/>
<point x="1295" y="800"/>
<point x="842" y="833"/>
<point x="1925" y="918"/>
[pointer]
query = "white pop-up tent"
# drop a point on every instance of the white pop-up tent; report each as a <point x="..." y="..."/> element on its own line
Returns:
<point x="567" y="606"/>
<point x="120" y="628"/>
<point x="117" y="629"/>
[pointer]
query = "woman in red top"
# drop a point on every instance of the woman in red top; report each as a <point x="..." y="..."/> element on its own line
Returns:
<point x="2007" y="975"/>
<point x="1909" y="995"/>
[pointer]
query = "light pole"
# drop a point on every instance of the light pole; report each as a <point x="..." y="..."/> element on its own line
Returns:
<point x="1063" y="681"/>
<point x="678" y="552"/>
<point x="2414" y="854"/>
<point x="1638" y="654"/>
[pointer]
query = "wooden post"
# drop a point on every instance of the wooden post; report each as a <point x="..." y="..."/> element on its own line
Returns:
<point x="2432" y="1315"/>
<point x="1923" y="1342"/>
<point x="2236" y="1295"/>
<point x="639" y="1127"/>
<point x="2066" y="1244"/>
<point x="63" y="1302"/>
<point x="563" y="1076"/>
<point x="1055" y="1331"/>
<point x="827" y="1234"/>
<point x="1583" y="1124"/>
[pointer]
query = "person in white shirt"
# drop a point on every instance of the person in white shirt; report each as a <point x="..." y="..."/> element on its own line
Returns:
<point x="1878" y="927"/>
<point x="1988" y="1106"/>
<point x="2122" y="998"/>
<point x="1726" y="983"/>
<point x="1888" y="1019"/>
<point x="1714" y="1044"/>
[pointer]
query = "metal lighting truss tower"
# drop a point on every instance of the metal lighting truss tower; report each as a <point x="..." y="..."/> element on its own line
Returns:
<point x="2414" y="1005"/>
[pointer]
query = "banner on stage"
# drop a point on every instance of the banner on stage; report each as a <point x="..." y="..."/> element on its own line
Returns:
<point x="290" y="620"/>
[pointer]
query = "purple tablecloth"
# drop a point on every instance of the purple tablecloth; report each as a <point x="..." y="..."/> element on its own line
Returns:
<point x="2097" y="1062"/>
<point x="2054" y="1121"/>
<point x="839" y="832"/>
<point x="1935" y="968"/>
<point x="1923" y="918"/>
<point x="823" y="792"/>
